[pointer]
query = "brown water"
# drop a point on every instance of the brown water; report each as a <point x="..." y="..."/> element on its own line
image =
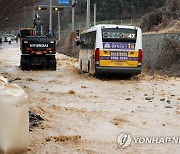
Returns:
<point x="85" y="115"/>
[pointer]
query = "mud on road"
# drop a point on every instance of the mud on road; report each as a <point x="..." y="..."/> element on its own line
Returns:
<point x="85" y="115"/>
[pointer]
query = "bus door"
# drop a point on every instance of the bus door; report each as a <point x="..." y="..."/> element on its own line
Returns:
<point x="87" y="62"/>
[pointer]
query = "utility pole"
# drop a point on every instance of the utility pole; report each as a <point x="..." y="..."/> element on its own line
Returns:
<point x="88" y="15"/>
<point x="50" y="18"/>
<point x="95" y="14"/>
<point x="59" y="26"/>
<point x="73" y="11"/>
<point x="74" y="2"/>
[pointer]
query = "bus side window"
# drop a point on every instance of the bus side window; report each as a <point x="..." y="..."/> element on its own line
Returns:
<point x="88" y="40"/>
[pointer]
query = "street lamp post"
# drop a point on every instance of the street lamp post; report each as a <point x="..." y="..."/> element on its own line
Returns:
<point x="52" y="8"/>
<point x="95" y="14"/>
<point x="50" y="18"/>
<point x="59" y="26"/>
<point x="73" y="11"/>
<point x="88" y="15"/>
<point x="74" y="2"/>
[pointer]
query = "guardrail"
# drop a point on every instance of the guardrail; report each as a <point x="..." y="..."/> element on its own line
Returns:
<point x="135" y="22"/>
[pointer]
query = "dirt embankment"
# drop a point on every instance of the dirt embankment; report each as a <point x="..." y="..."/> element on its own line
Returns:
<point x="67" y="46"/>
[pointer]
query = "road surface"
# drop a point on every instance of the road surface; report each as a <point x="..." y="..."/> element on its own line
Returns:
<point x="85" y="115"/>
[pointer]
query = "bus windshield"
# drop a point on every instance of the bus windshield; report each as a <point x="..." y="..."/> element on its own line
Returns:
<point x="119" y="35"/>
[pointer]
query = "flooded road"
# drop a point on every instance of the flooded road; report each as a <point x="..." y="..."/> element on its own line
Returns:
<point x="85" y="114"/>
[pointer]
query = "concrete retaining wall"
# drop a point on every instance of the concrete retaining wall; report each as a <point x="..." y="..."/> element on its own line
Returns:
<point x="153" y="47"/>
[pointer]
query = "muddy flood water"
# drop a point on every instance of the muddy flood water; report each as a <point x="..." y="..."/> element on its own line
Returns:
<point x="85" y="115"/>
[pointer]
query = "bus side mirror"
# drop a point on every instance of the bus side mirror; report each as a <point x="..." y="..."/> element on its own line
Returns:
<point x="78" y="43"/>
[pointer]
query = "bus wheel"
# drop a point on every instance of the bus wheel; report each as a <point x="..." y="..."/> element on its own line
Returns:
<point x="81" y="69"/>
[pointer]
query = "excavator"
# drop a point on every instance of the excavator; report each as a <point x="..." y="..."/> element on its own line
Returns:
<point x="37" y="49"/>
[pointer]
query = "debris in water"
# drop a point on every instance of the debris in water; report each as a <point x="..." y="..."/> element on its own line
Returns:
<point x="149" y="98"/>
<point x="83" y="87"/>
<point x="128" y="99"/>
<point x="169" y="107"/>
<point x="71" y="92"/>
<point x="168" y="101"/>
<point x="64" y="138"/>
<point x="162" y="99"/>
<point x="34" y="120"/>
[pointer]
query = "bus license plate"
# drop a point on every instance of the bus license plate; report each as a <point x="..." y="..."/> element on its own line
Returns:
<point x="124" y="54"/>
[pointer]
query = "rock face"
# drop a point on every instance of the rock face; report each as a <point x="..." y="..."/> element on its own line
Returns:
<point x="161" y="52"/>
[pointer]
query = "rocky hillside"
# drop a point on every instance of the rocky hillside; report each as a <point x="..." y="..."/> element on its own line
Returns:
<point x="120" y="9"/>
<point x="14" y="12"/>
<point x="167" y="16"/>
<point x="18" y="13"/>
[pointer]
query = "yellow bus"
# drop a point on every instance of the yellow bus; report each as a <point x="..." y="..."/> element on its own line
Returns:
<point x="111" y="49"/>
